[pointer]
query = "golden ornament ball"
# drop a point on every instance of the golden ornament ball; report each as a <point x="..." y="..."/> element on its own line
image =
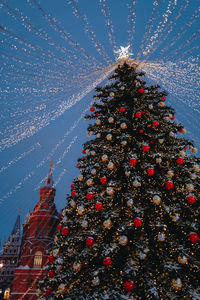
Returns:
<point x="110" y="165"/>
<point x="194" y="150"/>
<point x="61" y="288"/>
<point x="156" y="199"/>
<point x="80" y="210"/>
<point x="190" y="187"/>
<point x="150" y="106"/>
<point x="161" y="237"/>
<point x="111" y="120"/>
<point x="123" y="143"/>
<point x="136" y="183"/>
<point x="196" y="168"/>
<point x="109" y="137"/>
<point x="110" y="191"/>
<point x="171" y="134"/>
<point x="123" y="240"/>
<point x="84" y="224"/>
<point x="98" y="135"/>
<point x="95" y="281"/>
<point x="161" y="141"/>
<point x="182" y="259"/>
<point x="93" y="171"/>
<point x="107" y="223"/>
<point x="96" y="98"/>
<point x="112" y="94"/>
<point x="55" y="252"/>
<point x="193" y="176"/>
<point x="162" y="104"/>
<point x="104" y="157"/>
<point x="77" y="266"/>
<point x="177" y="284"/>
<point x="182" y="153"/>
<point x="72" y="203"/>
<point x="80" y="177"/>
<point x="90" y="182"/>
<point x="170" y="173"/>
<point x="123" y="125"/>
<point x="130" y="202"/>
<point x="98" y="122"/>
<point x="93" y="152"/>
<point x="142" y="255"/>
<point x="158" y="160"/>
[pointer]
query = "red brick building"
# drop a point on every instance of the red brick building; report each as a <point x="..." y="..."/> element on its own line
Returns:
<point x="38" y="235"/>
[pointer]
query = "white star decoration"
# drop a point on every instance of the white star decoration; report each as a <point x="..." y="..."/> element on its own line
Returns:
<point x="123" y="52"/>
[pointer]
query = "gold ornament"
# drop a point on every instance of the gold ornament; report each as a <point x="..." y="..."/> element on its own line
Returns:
<point x="110" y="165"/>
<point x="124" y="143"/>
<point x="177" y="284"/>
<point x="89" y="182"/>
<point x="84" y="224"/>
<point x="170" y="173"/>
<point x="107" y="223"/>
<point x="95" y="281"/>
<point x="193" y="176"/>
<point x="189" y="187"/>
<point x="183" y="130"/>
<point x="171" y="134"/>
<point x="123" y="240"/>
<point x="104" y="157"/>
<point x="182" y="153"/>
<point x="111" y="120"/>
<point x="136" y="183"/>
<point x="156" y="199"/>
<point x="98" y="135"/>
<point x="142" y="255"/>
<point x="150" y="106"/>
<point x="182" y="259"/>
<point x="93" y="152"/>
<point x="161" y="141"/>
<point x="93" y="171"/>
<point x="72" y="203"/>
<point x="112" y="94"/>
<point x="55" y="252"/>
<point x="158" y="160"/>
<point x="161" y="237"/>
<point x="80" y="177"/>
<point x="80" y="210"/>
<point x="123" y="126"/>
<point x="194" y="150"/>
<point x="170" y="116"/>
<point x="110" y="191"/>
<point x="98" y="122"/>
<point x="109" y="137"/>
<point x="61" y="288"/>
<point x="96" y="98"/>
<point x="76" y="266"/>
<point x="196" y="168"/>
<point x="162" y="104"/>
<point x="130" y="202"/>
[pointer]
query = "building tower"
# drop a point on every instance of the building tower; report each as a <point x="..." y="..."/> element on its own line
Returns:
<point x="9" y="259"/>
<point x="37" y="240"/>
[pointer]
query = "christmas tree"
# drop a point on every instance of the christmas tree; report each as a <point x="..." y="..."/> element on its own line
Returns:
<point x="130" y="228"/>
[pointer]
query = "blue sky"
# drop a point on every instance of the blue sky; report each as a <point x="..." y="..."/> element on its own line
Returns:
<point x="25" y="197"/>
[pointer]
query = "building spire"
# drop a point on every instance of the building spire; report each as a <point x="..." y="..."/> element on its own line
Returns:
<point x="16" y="228"/>
<point x="49" y="180"/>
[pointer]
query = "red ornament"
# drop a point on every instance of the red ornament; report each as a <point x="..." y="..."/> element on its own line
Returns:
<point x="129" y="286"/>
<point x="103" y="180"/>
<point x="137" y="222"/>
<point x="172" y="118"/>
<point x="133" y="161"/>
<point x="181" y="130"/>
<point x="169" y="185"/>
<point x="138" y="114"/>
<point x="51" y="274"/>
<point x="107" y="261"/>
<point x="141" y="90"/>
<point x="185" y="148"/>
<point x="155" y="123"/>
<point x="164" y="98"/>
<point x="150" y="171"/>
<point x="65" y="231"/>
<point x="145" y="148"/>
<point x="122" y="109"/>
<point x="179" y="161"/>
<point x="48" y="292"/>
<point x="51" y="258"/>
<point x="143" y="112"/>
<point x="191" y="199"/>
<point x="71" y="186"/>
<point x="152" y="142"/>
<point x="89" y="242"/>
<point x="116" y="71"/>
<point x="155" y="89"/>
<point x="98" y="206"/>
<point x="141" y="131"/>
<point x="84" y="152"/>
<point x="90" y="196"/>
<point x="77" y="165"/>
<point x="73" y="193"/>
<point x="59" y="227"/>
<point x="97" y="114"/>
<point x="193" y="237"/>
<point x="91" y="108"/>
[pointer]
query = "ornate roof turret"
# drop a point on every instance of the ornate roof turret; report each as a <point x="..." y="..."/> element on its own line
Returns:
<point x="16" y="228"/>
<point x="49" y="180"/>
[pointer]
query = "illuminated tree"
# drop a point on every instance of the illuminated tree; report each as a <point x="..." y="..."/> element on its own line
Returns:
<point x="130" y="229"/>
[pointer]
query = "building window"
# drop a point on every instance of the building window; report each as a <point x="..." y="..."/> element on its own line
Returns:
<point x="38" y="232"/>
<point x="44" y="232"/>
<point x="6" y="294"/>
<point x="37" y="259"/>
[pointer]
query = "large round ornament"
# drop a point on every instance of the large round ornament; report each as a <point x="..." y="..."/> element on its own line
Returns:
<point x="89" y="241"/>
<point x="196" y="168"/>
<point x="161" y="141"/>
<point x="169" y="185"/>
<point x="162" y="104"/>
<point x="65" y="231"/>
<point x="130" y="202"/>
<point x="138" y="114"/>
<point x="84" y="224"/>
<point x="112" y="94"/>
<point x="150" y="172"/>
<point x="176" y="284"/>
<point x="80" y="210"/>
<point x="98" y="135"/>
<point x="123" y="125"/>
<point x="156" y="199"/>
<point x="182" y="153"/>
<point x="104" y="157"/>
<point x="61" y="288"/>
<point x="90" y="182"/>
<point x="107" y="223"/>
<point x="179" y="161"/>
<point x="55" y="252"/>
<point x="190" y="187"/>
<point x="124" y="143"/>
<point x="133" y="161"/>
<point x="155" y="123"/>
<point x="98" y="206"/>
<point x="193" y="237"/>
<point x="193" y="176"/>
<point x="90" y="196"/>
<point x="158" y="160"/>
<point x="142" y="255"/>
<point x="170" y="173"/>
<point x="161" y="237"/>
<point x="137" y="222"/>
<point x="182" y="259"/>
<point x="123" y="240"/>
<point x="80" y="177"/>
<point x="93" y="171"/>
<point x="76" y="266"/>
<point x="103" y="180"/>
<point x="109" y="137"/>
<point x="136" y="183"/>
<point x="98" y="122"/>
<point x="191" y="199"/>
<point x="194" y="150"/>
<point x="145" y="148"/>
<point x="95" y="281"/>
<point x="110" y="191"/>
<point x="111" y="120"/>
<point x="110" y="165"/>
<point x="129" y="286"/>
<point x="107" y="261"/>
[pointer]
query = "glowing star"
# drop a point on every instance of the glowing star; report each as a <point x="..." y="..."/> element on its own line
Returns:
<point x="123" y="52"/>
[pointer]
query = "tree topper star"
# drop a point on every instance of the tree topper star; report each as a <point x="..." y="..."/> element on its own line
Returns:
<point x="123" y="52"/>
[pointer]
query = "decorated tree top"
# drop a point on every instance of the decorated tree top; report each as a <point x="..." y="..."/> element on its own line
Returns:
<point x="131" y="226"/>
